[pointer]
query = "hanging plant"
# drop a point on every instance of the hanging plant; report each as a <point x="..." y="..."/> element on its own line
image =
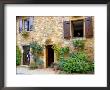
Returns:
<point x="36" y="49"/>
<point x="25" y="34"/>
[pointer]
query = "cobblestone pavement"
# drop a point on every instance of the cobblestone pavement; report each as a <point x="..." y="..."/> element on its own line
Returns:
<point x="24" y="70"/>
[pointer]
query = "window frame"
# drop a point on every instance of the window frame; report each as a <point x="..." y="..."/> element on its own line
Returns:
<point x="75" y="19"/>
<point x="23" y="24"/>
<point x="26" y="20"/>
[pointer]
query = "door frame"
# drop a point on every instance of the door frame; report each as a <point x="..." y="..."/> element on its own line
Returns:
<point x="46" y="56"/>
<point x="23" y="55"/>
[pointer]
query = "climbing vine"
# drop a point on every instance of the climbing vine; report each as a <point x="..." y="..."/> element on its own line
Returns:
<point x="35" y="50"/>
<point x="60" y="51"/>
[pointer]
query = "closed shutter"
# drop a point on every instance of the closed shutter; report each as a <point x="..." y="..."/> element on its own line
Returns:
<point x="30" y="23"/>
<point x="88" y="27"/>
<point x="20" y="24"/>
<point x="66" y="27"/>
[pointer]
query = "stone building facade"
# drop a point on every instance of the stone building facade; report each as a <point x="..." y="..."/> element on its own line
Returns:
<point x="57" y="29"/>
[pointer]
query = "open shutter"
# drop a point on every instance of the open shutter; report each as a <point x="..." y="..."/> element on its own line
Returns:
<point x="66" y="27"/>
<point x="88" y="27"/>
<point x="30" y="23"/>
<point x="20" y="24"/>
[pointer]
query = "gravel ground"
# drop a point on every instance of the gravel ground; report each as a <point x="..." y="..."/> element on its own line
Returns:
<point x="26" y="71"/>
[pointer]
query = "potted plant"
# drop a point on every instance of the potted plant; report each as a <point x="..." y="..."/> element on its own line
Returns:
<point x="25" y="34"/>
<point x="33" y="65"/>
<point x="54" y="66"/>
<point x="40" y="63"/>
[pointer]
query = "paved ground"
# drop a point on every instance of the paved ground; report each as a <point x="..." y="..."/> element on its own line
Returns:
<point x="26" y="71"/>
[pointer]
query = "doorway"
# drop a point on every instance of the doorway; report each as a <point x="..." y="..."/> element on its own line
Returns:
<point x="49" y="55"/>
<point x="26" y="55"/>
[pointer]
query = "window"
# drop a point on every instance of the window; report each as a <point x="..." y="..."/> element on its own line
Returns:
<point x="25" y="24"/>
<point x="78" y="28"/>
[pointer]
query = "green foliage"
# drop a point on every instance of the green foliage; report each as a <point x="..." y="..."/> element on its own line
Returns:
<point x="79" y="44"/>
<point x="55" y="66"/>
<point x="18" y="56"/>
<point x="39" y="62"/>
<point x="76" y="63"/>
<point x="33" y="65"/>
<point x="56" y="48"/>
<point x="79" y="55"/>
<point x="64" y="50"/>
<point x="36" y="48"/>
<point x="60" y="51"/>
<point x="25" y="34"/>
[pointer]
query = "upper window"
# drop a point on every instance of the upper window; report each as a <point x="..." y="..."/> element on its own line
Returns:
<point x="25" y="24"/>
<point x="78" y="28"/>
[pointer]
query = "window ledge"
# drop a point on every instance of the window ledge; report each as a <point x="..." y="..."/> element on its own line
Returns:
<point x="78" y="38"/>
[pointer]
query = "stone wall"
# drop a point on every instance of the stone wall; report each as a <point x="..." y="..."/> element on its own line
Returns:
<point x="49" y="27"/>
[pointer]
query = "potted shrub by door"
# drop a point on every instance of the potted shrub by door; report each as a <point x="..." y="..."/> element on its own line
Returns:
<point x="40" y="63"/>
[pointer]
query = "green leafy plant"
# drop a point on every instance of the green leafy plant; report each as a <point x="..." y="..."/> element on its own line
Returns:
<point x="76" y="63"/>
<point x="25" y="34"/>
<point x="39" y="63"/>
<point x="55" y="66"/>
<point x="36" y="49"/>
<point x="33" y="65"/>
<point x="18" y="56"/>
<point x="56" y="48"/>
<point x="79" y="44"/>
<point x="64" y="50"/>
<point x="60" y="51"/>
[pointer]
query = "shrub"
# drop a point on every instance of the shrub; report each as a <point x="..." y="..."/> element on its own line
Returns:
<point x="25" y="34"/>
<point x="18" y="56"/>
<point x="76" y="63"/>
<point x="60" y="51"/>
<point x="79" y="44"/>
<point x="56" y="48"/>
<point x="33" y="65"/>
<point x="36" y="48"/>
<point x="39" y="63"/>
<point x="64" y="50"/>
<point x="55" y="66"/>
